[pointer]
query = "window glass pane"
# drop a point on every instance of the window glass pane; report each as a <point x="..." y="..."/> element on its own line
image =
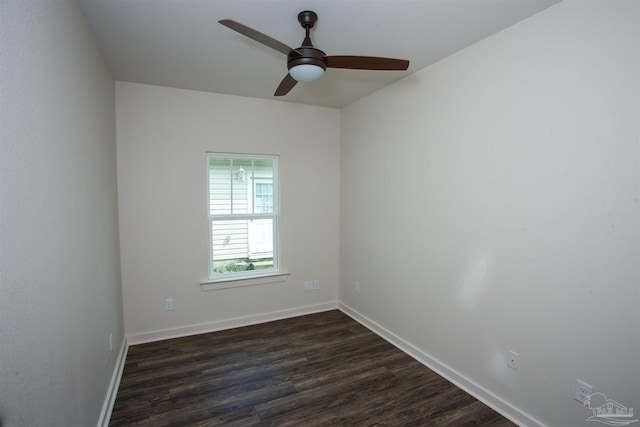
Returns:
<point x="263" y="167"/>
<point x="219" y="186"/>
<point x="261" y="238"/>
<point x="230" y="239"/>
<point x="241" y="173"/>
<point x="262" y="186"/>
<point x="242" y="245"/>
<point x="263" y="197"/>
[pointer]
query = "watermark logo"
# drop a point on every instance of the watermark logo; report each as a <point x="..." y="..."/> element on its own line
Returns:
<point x="608" y="411"/>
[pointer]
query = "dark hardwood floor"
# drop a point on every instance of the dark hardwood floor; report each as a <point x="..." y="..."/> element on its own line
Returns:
<point x="323" y="369"/>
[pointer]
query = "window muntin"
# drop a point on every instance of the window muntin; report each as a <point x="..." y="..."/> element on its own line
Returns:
<point x="243" y="215"/>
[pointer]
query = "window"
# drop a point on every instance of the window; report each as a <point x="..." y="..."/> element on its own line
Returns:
<point x="243" y="215"/>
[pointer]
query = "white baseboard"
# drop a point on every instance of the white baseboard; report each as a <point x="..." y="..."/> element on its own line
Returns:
<point x="480" y="393"/>
<point x="477" y="391"/>
<point x="112" y="391"/>
<point x="228" y="323"/>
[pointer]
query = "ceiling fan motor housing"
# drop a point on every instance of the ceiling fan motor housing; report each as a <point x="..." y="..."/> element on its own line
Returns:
<point x="308" y="55"/>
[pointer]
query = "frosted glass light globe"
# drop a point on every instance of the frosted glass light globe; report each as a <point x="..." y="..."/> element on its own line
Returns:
<point x="306" y="73"/>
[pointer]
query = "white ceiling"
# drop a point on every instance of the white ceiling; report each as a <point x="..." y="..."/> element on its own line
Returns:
<point x="179" y="43"/>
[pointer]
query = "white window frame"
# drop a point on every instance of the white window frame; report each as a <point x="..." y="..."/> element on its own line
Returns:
<point x="249" y="277"/>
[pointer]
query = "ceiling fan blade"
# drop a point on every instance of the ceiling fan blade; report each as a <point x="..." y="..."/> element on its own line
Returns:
<point x="257" y="36"/>
<point x="355" y="62"/>
<point x="285" y="85"/>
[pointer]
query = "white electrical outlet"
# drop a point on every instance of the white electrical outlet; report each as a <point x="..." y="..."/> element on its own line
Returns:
<point x="308" y="285"/>
<point x="583" y="391"/>
<point x="356" y="286"/>
<point x="168" y="304"/>
<point x="316" y="284"/>
<point x="512" y="360"/>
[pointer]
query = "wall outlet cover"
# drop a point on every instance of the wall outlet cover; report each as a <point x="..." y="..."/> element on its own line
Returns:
<point x="583" y="391"/>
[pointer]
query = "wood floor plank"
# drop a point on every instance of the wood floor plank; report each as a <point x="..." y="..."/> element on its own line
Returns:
<point x="323" y="369"/>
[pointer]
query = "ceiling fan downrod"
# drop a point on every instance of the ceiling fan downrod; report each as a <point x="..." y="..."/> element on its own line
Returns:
<point x="308" y="20"/>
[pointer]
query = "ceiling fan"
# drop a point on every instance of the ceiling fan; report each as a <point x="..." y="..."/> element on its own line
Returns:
<point x="307" y="63"/>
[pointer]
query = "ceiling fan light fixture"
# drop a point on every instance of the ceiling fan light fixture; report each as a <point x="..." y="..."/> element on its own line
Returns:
<point x="306" y="63"/>
<point x="305" y="73"/>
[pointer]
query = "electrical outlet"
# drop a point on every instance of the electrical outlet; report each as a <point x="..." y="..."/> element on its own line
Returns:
<point x="316" y="284"/>
<point x="356" y="286"/>
<point x="308" y="285"/>
<point x="512" y="360"/>
<point x="168" y="304"/>
<point x="583" y="391"/>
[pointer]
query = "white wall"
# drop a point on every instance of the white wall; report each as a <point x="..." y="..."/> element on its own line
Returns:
<point x="60" y="285"/>
<point x="508" y="213"/>
<point x="163" y="135"/>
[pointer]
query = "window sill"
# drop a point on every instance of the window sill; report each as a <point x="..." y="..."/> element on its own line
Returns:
<point x="214" y="285"/>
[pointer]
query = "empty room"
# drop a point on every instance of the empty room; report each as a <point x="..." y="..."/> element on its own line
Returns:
<point x="324" y="212"/>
